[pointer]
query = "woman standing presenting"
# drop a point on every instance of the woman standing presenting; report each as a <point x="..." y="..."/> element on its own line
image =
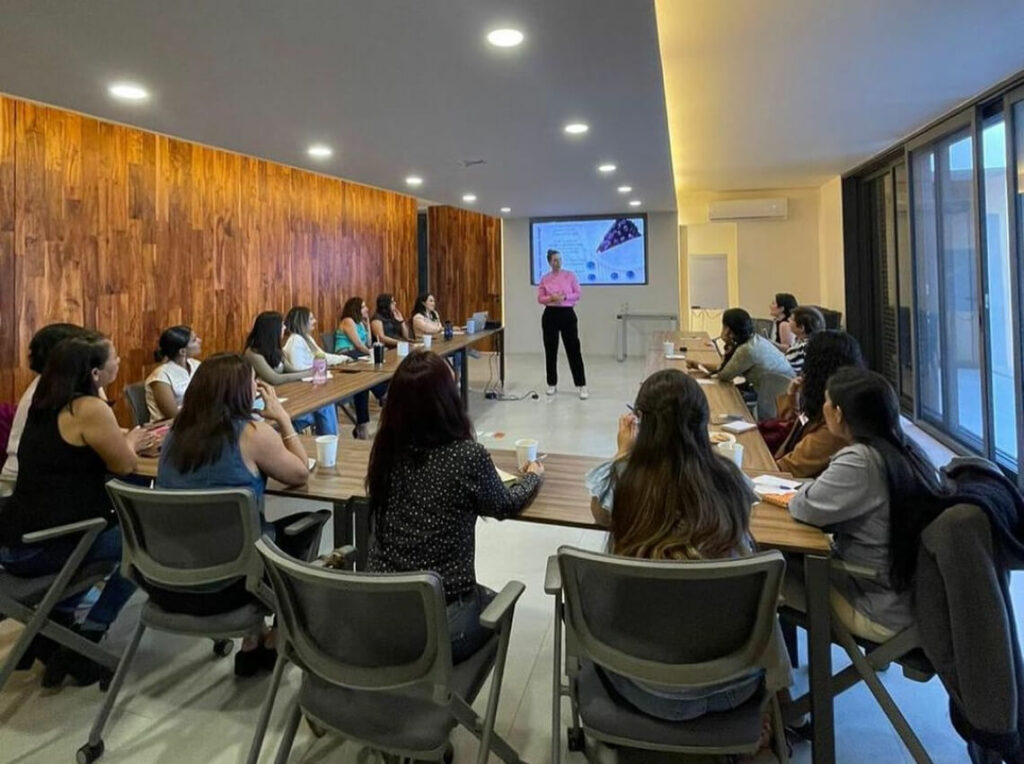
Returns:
<point x="558" y="291"/>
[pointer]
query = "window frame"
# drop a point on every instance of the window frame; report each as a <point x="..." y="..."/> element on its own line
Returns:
<point x="1016" y="246"/>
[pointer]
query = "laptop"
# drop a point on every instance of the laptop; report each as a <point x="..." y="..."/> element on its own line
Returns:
<point x="480" y="318"/>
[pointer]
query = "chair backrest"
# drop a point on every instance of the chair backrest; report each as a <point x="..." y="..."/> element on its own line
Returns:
<point x="367" y="631"/>
<point x="187" y="539"/>
<point x="765" y="327"/>
<point x="833" y="318"/>
<point x="327" y="340"/>
<point x="135" y="394"/>
<point x="771" y="386"/>
<point x="672" y="623"/>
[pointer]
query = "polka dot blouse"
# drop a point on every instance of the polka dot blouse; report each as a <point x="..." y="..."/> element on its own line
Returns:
<point x="428" y="520"/>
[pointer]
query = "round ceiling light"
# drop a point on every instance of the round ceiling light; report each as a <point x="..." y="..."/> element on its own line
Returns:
<point x="414" y="180"/>
<point x="635" y="203"/>
<point x="625" y="189"/>
<point x="576" y="128"/>
<point x="506" y="210"/>
<point x="469" y="197"/>
<point x="320" y="151"/>
<point x="128" y="91"/>
<point x="606" y="168"/>
<point x="505" y="38"/>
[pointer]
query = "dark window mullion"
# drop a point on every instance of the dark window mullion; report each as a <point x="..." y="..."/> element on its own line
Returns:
<point x="1016" y="246"/>
<point x="981" y="294"/>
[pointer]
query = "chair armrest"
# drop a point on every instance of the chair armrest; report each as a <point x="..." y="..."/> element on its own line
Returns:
<point x="855" y="571"/>
<point x="501" y="607"/>
<point x="552" y="576"/>
<point x="82" y="526"/>
<point x="306" y="522"/>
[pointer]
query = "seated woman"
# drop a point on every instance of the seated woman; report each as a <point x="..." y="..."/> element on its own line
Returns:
<point x="805" y="322"/>
<point x="70" y="443"/>
<point x="263" y="351"/>
<point x="875" y="498"/>
<point x="166" y="385"/>
<point x="351" y="339"/>
<point x="215" y="443"/>
<point x="300" y="349"/>
<point x="810" y="444"/>
<point x="748" y="355"/>
<point x="425" y="318"/>
<point x="388" y="325"/>
<point x="668" y="495"/>
<point x="427" y="483"/>
<point x="781" y="309"/>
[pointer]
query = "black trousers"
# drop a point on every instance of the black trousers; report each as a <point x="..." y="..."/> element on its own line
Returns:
<point x="562" y="321"/>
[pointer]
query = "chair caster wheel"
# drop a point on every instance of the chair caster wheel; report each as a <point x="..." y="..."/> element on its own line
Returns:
<point x="575" y="739"/>
<point x="223" y="647"/>
<point x="88" y="753"/>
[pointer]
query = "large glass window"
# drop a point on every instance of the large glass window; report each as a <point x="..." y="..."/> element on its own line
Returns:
<point x="905" y="285"/>
<point x="999" y="291"/>
<point x="949" y="342"/>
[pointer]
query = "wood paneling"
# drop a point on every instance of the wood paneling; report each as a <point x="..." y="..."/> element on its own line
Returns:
<point x="130" y="232"/>
<point x="464" y="255"/>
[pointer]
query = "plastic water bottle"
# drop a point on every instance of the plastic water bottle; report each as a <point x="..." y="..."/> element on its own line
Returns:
<point x="320" y="368"/>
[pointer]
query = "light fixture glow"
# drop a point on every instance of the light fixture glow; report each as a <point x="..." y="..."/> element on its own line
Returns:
<point x="576" y="128"/>
<point x="414" y="180"/>
<point x="606" y="168"/>
<point x="505" y="38"/>
<point x="320" y="151"/>
<point x="128" y="91"/>
<point x="506" y="210"/>
<point x="625" y="189"/>
<point x="634" y="203"/>
<point x="469" y="197"/>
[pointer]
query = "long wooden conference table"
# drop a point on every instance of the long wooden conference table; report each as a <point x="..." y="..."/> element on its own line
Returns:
<point x="563" y="498"/>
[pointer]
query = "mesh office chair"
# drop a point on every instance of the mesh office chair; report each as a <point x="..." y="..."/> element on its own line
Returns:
<point x="187" y="542"/>
<point x="135" y="394"/>
<point x="685" y="625"/>
<point x="376" y="660"/>
<point x="31" y="601"/>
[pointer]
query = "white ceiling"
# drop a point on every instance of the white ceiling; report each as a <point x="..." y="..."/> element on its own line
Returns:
<point x="787" y="93"/>
<point x="396" y="87"/>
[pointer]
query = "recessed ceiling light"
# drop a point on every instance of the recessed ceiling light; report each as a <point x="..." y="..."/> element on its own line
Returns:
<point x="634" y="203"/>
<point x="128" y="91"/>
<point x="320" y="151"/>
<point x="469" y="197"/>
<point x="505" y="38"/>
<point x="606" y="168"/>
<point x="414" y="180"/>
<point x="625" y="189"/>
<point x="506" y="210"/>
<point x="576" y="128"/>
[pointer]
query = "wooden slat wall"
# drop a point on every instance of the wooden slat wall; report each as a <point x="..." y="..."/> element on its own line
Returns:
<point x="130" y="232"/>
<point x="464" y="255"/>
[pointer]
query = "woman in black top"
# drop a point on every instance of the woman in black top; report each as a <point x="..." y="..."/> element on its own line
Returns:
<point x="388" y="325"/>
<point x="428" y="482"/>
<point x="70" y="442"/>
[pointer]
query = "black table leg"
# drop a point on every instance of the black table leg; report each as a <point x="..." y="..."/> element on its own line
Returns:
<point x="501" y="357"/>
<point x="819" y="649"/>
<point x="464" y="376"/>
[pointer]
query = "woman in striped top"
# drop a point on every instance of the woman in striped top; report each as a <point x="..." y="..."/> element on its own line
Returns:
<point x="805" y="322"/>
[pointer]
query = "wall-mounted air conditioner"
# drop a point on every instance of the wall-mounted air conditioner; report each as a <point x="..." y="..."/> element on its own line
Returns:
<point x="749" y="209"/>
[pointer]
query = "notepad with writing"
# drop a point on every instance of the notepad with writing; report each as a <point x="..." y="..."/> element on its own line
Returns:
<point x="506" y="477"/>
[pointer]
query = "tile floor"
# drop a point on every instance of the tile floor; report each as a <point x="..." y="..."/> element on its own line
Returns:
<point x="182" y="705"/>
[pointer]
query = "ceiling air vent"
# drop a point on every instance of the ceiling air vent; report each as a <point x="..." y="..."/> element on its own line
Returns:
<point x="464" y="163"/>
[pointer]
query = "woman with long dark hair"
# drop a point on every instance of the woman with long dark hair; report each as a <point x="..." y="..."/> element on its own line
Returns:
<point x="215" y="443"/>
<point x="427" y="483"/>
<point x="263" y="350"/>
<point x="810" y="445"/>
<point x="301" y="347"/>
<point x="388" y="325"/>
<point x="70" y="443"/>
<point x="167" y="383"/>
<point x="668" y="495"/>
<point x="781" y="309"/>
<point x="352" y="339"/>
<point x="425" y="318"/>
<point x="875" y="498"/>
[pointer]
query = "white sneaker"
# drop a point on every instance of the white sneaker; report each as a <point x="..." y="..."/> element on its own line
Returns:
<point x="583" y="393"/>
<point x="552" y="390"/>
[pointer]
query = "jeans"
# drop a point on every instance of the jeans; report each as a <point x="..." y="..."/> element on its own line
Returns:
<point x="361" y="401"/>
<point x="662" y="705"/>
<point x="35" y="560"/>
<point x="555" y="321"/>
<point x="324" y="421"/>
<point x="464" y="628"/>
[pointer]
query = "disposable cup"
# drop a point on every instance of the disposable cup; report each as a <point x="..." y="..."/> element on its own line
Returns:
<point x="327" y="450"/>
<point x="732" y="451"/>
<point x="526" y="451"/>
<point x="428" y="341"/>
<point x="402" y="350"/>
<point x="669" y="348"/>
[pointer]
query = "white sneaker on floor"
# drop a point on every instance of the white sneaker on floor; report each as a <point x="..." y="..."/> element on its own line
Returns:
<point x="584" y="394"/>
<point x="552" y="389"/>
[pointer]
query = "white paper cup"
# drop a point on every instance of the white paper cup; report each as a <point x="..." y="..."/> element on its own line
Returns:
<point x="526" y="451"/>
<point x="669" y="348"/>
<point x="732" y="451"/>
<point x="428" y="341"/>
<point x="402" y="350"/>
<point x="327" y="450"/>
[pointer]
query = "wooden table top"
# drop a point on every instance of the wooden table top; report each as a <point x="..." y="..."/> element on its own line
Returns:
<point x="356" y="376"/>
<point x="562" y="500"/>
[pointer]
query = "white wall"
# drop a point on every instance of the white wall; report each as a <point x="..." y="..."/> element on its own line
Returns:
<point x="599" y="304"/>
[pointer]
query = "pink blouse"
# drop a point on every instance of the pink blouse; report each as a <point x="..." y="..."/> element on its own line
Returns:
<point x="564" y="282"/>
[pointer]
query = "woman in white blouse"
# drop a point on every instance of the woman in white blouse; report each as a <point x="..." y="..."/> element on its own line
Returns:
<point x="300" y="348"/>
<point x="166" y="385"/>
<point x="425" y="319"/>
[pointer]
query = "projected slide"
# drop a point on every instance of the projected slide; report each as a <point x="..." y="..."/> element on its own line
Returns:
<point x="605" y="250"/>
